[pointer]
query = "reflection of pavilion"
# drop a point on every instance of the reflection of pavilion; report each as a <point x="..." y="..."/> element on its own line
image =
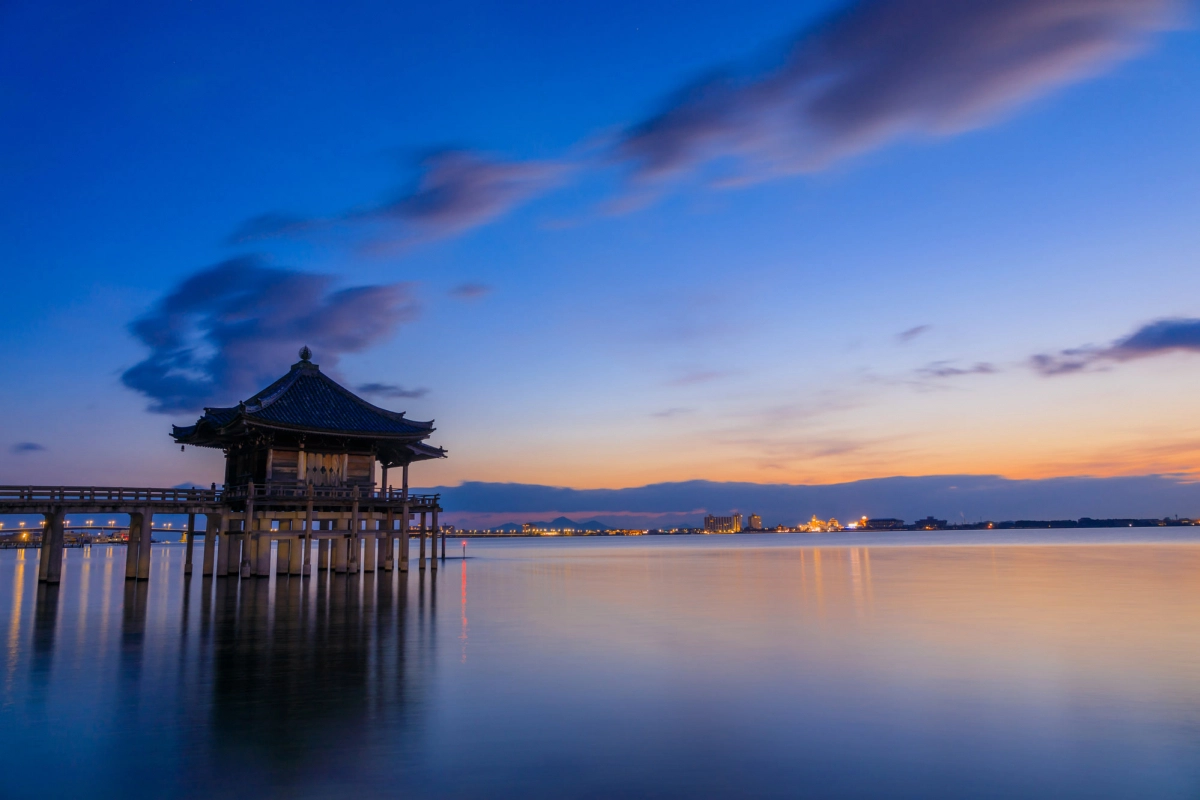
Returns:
<point x="299" y="670"/>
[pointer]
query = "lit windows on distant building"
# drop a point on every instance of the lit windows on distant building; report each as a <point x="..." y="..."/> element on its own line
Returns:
<point x="731" y="524"/>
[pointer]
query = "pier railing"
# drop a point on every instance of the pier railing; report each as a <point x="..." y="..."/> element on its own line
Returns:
<point x="107" y="494"/>
<point x="68" y="495"/>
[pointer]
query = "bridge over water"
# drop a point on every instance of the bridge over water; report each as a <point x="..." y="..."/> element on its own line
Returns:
<point x="354" y="529"/>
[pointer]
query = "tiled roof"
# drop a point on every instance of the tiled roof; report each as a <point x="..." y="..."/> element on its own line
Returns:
<point x="307" y="399"/>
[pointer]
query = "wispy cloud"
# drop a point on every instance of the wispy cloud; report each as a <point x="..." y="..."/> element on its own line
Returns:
<point x="667" y="413"/>
<point x="227" y="329"/>
<point x="391" y="390"/>
<point x="455" y="189"/>
<point x="698" y="376"/>
<point x="470" y="291"/>
<point x="904" y="337"/>
<point x="948" y="369"/>
<point x="1152" y="339"/>
<point x="26" y="447"/>
<point x="877" y="69"/>
<point x="859" y="77"/>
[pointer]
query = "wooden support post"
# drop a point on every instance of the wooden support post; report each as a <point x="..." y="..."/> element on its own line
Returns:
<point x="212" y="525"/>
<point x="306" y="567"/>
<point x="420" y="555"/>
<point x="44" y="549"/>
<point x="323" y="554"/>
<point x="52" y="534"/>
<point x="433" y="539"/>
<point x="283" y="551"/>
<point x="190" y="536"/>
<point x="221" y="569"/>
<point x="131" y="551"/>
<point x="389" y="539"/>
<point x="370" y="541"/>
<point x="438" y="530"/>
<point x="404" y="519"/>
<point x="404" y="537"/>
<point x="247" y="531"/>
<point x="355" y="531"/>
<point x="143" y="571"/>
<point x="341" y="552"/>
<point x="264" y="552"/>
<point x="295" y="554"/>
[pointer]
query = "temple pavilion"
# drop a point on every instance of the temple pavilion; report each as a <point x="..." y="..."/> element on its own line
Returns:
<point x="300" y="467"/>
<point x="305" y="428"/>
<point x="300" y="464"/>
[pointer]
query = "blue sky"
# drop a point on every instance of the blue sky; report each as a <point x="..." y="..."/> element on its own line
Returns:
<point x="573" y="316"/>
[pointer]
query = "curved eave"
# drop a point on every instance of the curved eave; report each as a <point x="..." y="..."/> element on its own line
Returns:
<point x="204" y="435"/>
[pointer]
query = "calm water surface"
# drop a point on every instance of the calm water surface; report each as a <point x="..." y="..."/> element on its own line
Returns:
<point x="954" y="665"/>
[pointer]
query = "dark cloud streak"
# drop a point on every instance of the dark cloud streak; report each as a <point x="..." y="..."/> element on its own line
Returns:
<point x="881" y="68"/>
<point x="391" y="390"/>
<point x="226" y="330"/>
<point x="455" y="190"/>
<point x="1152" y="339"/>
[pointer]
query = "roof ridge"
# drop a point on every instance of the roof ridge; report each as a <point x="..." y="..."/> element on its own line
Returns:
<point x="398" y="416"/>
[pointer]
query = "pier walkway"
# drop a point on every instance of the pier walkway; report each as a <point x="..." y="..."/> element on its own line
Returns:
<point x="355" y="529"/>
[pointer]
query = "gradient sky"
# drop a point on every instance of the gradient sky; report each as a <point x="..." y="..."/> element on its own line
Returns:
<point x="610" y="244"/>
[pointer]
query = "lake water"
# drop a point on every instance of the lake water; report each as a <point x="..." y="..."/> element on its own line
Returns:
<point x="1016" y="664"/>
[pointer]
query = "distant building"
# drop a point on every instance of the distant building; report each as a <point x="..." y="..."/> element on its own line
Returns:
<point x="755" y="523"/>
<point x="930" y="524"/>
<point x="816" y="525"/>
<point x="731" y="524"/>
<point x="883" y="524"/>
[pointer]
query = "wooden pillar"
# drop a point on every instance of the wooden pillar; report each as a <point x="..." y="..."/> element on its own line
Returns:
<point x="341" y="552"/>
<point x="355" y="531"/>
<point x="323" y="554"/>
<point x="404" y="550"/>
<point x="433" y="539"/>
<point x="295" y="554"/>
<point x="305" y="567"/>
<point x="437" y="529"/>
<point x="370" y="541"/>
<point x="212" y="524"/>
<point x="389" y="539"/>
<point x="44" y="549"/>
<point x="421" y="554"/>
<point x="283" y="553"/>
<point x="248" y="526"/>
<point x="143" y="570"/>
<point x="404" y="520"/>
<point x="190" y="536"/>
<point x="264" y="552"/>
<point x="131" y="551"/>
<point x="50" y="565"/>
<point x="222" y="567"/>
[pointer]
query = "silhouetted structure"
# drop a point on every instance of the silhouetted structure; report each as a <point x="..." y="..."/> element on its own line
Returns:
<point x="299" y="466"/>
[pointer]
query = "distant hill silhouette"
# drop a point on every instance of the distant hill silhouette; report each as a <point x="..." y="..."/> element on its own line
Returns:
<point x="957" y="498"/>
<point x="556" y="524"/>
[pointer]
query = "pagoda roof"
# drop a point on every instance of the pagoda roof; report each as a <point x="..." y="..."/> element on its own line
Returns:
<point x="305" y="400"/>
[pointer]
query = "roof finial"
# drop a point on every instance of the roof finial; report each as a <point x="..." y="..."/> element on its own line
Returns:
<point x="305" y="353"/>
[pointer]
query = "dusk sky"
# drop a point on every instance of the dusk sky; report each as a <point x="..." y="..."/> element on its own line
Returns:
<point x="606" y="245"/>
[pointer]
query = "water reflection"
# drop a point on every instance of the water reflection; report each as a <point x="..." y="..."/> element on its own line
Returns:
<point x="769" y="668"/>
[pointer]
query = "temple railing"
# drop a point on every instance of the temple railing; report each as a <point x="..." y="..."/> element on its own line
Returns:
<point x="341" y="494"/>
